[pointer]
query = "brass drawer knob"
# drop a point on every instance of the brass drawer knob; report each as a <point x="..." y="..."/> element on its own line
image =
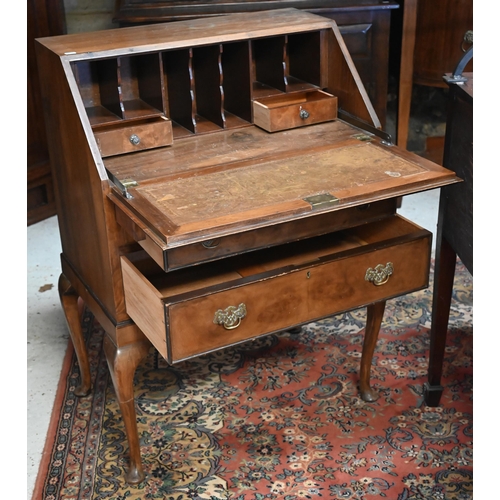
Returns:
<point x="134" y="139"/>
<point x="230" y="317"/>
<point x="380" y="275"/>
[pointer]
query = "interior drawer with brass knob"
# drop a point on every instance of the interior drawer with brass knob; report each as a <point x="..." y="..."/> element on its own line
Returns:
<point x="116" y="140"/>
<point x="199" y="309"/>
<point x="297" y="109"/>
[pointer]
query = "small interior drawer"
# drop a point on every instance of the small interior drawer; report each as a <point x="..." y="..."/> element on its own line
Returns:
<point x="297" y="109"/>
<point x="119" y="139"/>
<point x="199" y="309"/>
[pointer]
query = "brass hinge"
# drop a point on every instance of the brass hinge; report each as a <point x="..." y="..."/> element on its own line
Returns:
<point x="128" y="183"/>
<point x="368" y="129"/>
<point x="363" y="137"/>
<point x="123" y="185"/>
<point x="322" y="200"/>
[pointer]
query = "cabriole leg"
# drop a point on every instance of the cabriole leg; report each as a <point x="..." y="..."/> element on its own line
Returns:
<point x="122" y="362"/>
<point x="375" y="313"/>
<point x="69" y="302"/>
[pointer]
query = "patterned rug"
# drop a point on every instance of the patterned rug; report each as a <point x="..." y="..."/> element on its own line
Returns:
<point x="278" y="418"/>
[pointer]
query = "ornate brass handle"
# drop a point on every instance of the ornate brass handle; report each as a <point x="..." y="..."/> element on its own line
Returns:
<point x="230" y="317"/>
<point x="303" y="113"/>
<point x="380" y="275"/>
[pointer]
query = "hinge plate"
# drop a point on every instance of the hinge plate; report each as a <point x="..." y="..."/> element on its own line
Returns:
<point x="322" y="200"/>
<point x="122" y="185"/>
<point x="128" y="183"/>
<point x="363" y="137"/>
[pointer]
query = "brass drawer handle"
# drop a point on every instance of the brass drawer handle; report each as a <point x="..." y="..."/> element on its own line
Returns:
<point x="134" y="139"/>
<point x="230" y="317"/>
<point x="380" y="275"/>
<point x="303" y="113"/>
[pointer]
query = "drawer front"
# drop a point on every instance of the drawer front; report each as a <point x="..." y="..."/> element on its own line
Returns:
<point x="210" y="250"/>
<point x="134" y="138"/>
<point x="225" y="246"/>
<point x="294" y="110"/>
<point x="299" y="297"/>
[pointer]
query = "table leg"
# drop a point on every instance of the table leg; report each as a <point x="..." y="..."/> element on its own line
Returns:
<point x="69" y="302"/>
<point x="375" y="313"/>
<point x="122" y="363"/>
<point x="444" y="275"/>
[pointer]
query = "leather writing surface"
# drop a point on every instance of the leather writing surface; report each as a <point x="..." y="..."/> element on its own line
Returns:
<point x="239" y="190"/>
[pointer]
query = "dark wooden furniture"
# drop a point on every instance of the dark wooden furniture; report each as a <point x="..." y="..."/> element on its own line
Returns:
<point x="435" y="34"/>
<point x="186" y="224"/>
<point x="45" y="18"/>
<point x="454" y="235"/>
<point x="364" y="24"/>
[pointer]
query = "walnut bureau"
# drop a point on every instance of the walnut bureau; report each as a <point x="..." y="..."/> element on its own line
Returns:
<point x="221" y="180"/>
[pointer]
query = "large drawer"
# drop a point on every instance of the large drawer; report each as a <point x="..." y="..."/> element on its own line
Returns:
<point x="196" y="310"/>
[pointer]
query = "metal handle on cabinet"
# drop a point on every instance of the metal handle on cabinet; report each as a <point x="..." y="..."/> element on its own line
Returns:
<point x="303" y="113"/>
<point x="380" y="275"/>
<point x="230" y="318"/>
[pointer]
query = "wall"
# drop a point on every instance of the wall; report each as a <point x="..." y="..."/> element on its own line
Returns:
<point x="89" y="15"/>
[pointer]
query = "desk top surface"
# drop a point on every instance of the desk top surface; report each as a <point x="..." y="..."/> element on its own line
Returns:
<point x="245" y="178"/>
<point x="165" y="36"/>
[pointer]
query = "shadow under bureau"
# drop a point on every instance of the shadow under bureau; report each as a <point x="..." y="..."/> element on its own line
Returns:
<point x="219" y="180"/>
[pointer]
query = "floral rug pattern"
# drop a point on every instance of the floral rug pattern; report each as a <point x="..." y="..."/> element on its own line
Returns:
<point x="280" y="417"/>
